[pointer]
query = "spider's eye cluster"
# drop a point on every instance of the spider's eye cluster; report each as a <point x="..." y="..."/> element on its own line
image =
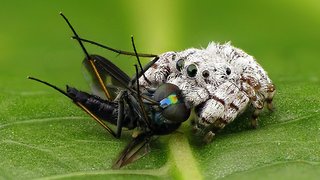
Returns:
<point x="173" y="57"/>
<point x="192" y="70"/>
<point x="180" y="64"/>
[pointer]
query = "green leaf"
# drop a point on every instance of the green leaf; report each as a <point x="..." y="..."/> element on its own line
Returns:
<point x="44" y="135"/>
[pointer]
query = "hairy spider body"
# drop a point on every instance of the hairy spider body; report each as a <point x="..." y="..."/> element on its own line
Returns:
<point x="220" y="82"/>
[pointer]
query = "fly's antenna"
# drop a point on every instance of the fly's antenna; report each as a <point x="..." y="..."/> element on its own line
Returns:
<point x="139" y="99"/>
<point x="50" y="85"/>
<point x="138" y="59"/>
<point x="115" y="50"/>
<point x="76" y="35"/>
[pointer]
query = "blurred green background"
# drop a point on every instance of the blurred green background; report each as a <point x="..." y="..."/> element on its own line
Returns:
<point x="37" y="139"/>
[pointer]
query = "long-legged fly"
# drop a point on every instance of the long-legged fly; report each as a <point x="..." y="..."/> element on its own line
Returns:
<point x="150" y="111"/>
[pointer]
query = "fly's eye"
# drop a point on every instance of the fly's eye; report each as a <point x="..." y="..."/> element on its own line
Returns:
<point x="180" y="64"/>
<point x="192" y="70"/>
<point x="205" y="73"/>
<point x="228" y="71"/>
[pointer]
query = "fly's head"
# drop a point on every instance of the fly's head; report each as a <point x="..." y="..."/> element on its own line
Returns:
<point x="172" y="102"/>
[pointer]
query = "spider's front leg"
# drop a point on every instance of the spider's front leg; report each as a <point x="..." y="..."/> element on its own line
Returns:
<point x="209" y="119"/>
<point x="224" y="105"/>
<point x="157" y="71"/>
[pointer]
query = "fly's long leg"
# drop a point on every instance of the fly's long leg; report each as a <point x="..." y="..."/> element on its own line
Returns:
<point x="98" y="120"/>
<point x="145" y="117"/>
<point x="104" y="88"/>
<point x="75" y="33"/>
<point x="138" y="59"/>
<point x="114" y="50"/>
<point x="120" y="115"/>
<point x="79" y="104"/>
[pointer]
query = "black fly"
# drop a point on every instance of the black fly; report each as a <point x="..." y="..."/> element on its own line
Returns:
<point x="150" y="112"/>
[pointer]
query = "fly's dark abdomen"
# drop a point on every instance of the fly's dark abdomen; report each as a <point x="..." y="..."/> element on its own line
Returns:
<point x="103" y="109"/>
<point x="106" y="110"/>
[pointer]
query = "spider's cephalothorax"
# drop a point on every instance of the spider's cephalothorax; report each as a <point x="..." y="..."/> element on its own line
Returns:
<point x="219" y="81"/>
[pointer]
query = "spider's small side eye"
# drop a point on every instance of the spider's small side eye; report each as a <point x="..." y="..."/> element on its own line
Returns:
<point x="205" y="73"/>
<point x="228" y="71"/>
<point x="192" y="70"/>
<point x="180" y="64"/>
<point x="174" y="57"/>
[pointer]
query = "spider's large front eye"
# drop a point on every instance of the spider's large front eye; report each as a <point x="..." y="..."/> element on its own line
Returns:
<point x="174" y="57"/>
<point x="180" y="64"/>
<point x="192" y="70"/>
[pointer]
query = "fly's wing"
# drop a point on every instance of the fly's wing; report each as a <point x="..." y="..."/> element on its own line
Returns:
<point x="137" y="148"/>
<point x="113" y="78"/>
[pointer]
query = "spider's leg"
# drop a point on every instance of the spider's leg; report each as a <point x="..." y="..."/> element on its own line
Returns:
<point x="209" y="119"/>
<point x="252" y="88"/>
<point x="223" y="106"/>
<point x="270" y="93"/>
